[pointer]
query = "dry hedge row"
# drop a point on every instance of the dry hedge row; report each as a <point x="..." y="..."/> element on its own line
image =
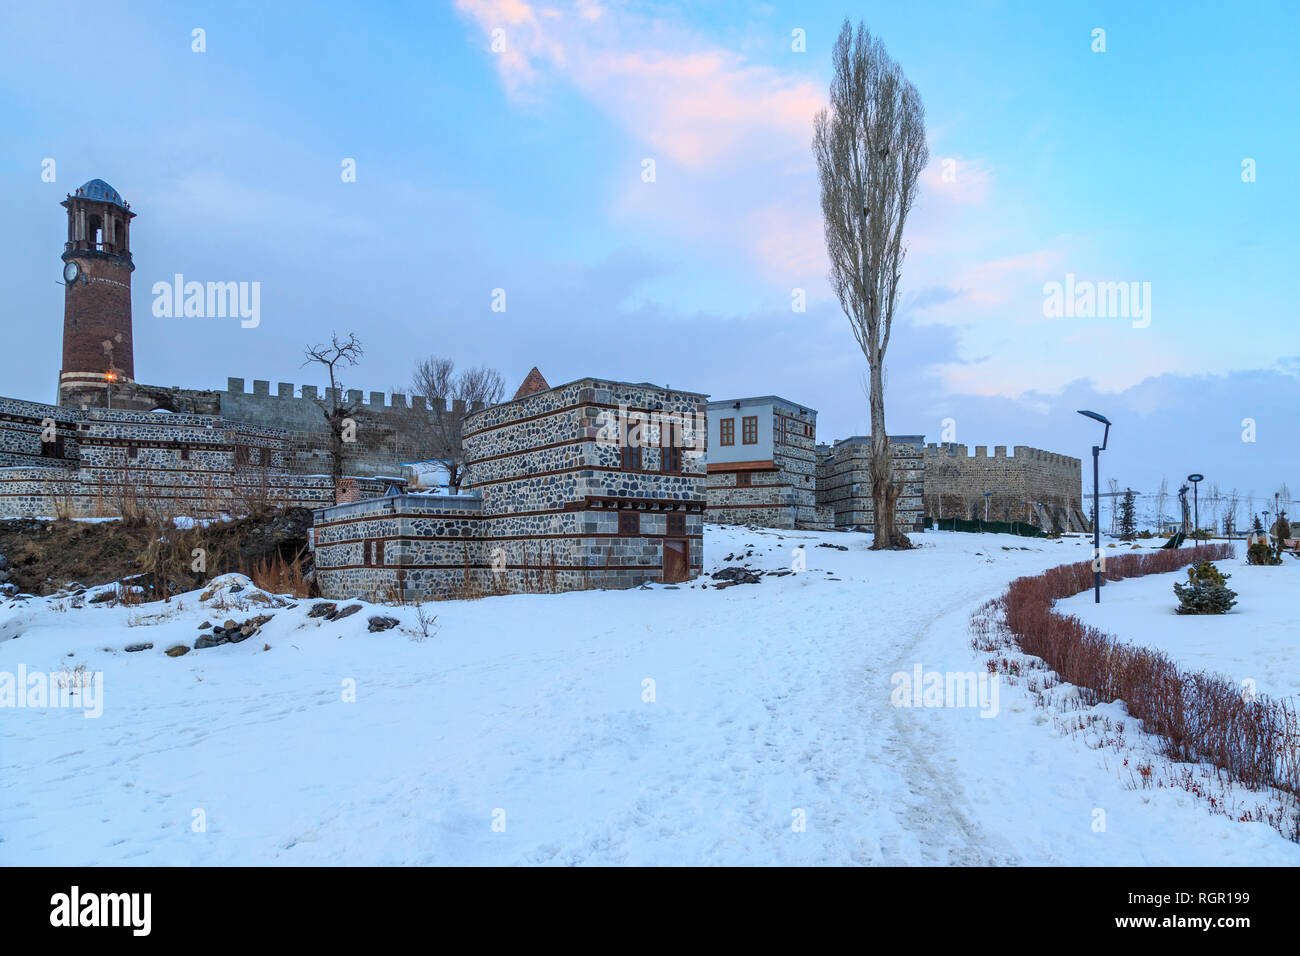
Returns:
<point x="1201" y="716"/>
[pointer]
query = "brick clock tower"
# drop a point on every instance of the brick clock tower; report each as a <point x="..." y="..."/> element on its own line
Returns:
<point x="97" y="267"/>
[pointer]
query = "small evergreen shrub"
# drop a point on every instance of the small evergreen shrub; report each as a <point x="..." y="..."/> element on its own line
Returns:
<point x="1204" y="598"/>
<point x="1263" y="553"/>
<point x="1206" y="573"/>
<point x="1206" y="591"/>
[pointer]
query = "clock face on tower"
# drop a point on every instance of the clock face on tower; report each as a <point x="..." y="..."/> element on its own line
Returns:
<point x="70" y="271"/>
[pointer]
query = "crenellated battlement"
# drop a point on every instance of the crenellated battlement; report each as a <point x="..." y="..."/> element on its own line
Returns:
<point x="1019" y="452"/>
<point x="373" y="402"/>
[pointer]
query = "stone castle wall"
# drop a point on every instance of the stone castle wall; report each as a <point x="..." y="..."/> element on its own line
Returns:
<point x="1031" y="485"/>
<point x="391" y="430"/>
<point x="111" y="462"/>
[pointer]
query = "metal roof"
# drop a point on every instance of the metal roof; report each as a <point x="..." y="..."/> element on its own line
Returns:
<point x="98" y="189"/>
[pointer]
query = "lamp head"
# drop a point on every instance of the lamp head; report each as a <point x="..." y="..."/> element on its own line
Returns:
<point x="1099" y="418"/>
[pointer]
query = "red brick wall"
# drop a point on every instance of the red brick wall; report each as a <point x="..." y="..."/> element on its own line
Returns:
<point x="95" y="312"/>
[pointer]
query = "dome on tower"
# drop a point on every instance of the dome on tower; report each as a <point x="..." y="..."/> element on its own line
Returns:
<point x="98" y="189"/>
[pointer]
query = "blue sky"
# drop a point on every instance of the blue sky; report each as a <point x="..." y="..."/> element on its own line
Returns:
<point x="521" y="169"/>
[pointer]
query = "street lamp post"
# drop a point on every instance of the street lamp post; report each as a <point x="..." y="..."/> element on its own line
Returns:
<point x="1196" y="505"/>
<point x="1096" y="502"/>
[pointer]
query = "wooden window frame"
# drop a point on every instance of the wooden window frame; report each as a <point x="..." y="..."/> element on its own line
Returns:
<point x="629" y="524"/>
<point x="748" y="427"/>
<point x="744" y="479"/>
<point x="670" y="460"/>
<point x="629" y="458"/>
<point x="727" y="431"/>
<point x="676" y="526"/>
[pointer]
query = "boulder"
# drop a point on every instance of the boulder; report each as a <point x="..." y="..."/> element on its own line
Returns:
<point x="323" y="609"/>
<point x="180" y="650"/>
<point x="211" y="641"/>
<point x="736" y="575"/>
<point x="381" y="622"/>
<point x="132" y="648"/>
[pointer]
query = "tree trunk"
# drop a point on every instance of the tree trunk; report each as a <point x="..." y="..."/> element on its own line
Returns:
<point x="880" y="465"/>
<point x="336" y="442"/>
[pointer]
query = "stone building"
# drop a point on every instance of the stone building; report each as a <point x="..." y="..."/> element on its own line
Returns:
<point x="591" y="484"/>
<point x="761" y="466"/>
<point x="1031" y="485"/>
<point x="844" y="482"/>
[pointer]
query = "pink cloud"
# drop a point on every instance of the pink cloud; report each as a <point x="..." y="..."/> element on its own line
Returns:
<point x="731" y="139"/>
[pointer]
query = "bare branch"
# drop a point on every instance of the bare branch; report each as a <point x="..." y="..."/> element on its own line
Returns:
<point x="338" y="353"/>
<point x="436" y="377"/>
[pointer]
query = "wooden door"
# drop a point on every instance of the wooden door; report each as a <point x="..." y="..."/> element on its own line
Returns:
<point x="677" y="560"/>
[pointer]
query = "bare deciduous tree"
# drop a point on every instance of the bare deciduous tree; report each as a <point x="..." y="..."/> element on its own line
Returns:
<point x="1162" y="498"/>
<point x="334" y="356"/>
<point x="437" y="378"/>
<point x="1231" y="506"/>
<point x="870" y="148"/>
<point x="1112" y="485"/>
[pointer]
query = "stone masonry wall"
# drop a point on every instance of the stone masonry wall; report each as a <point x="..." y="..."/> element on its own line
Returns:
<point x="844" y="482"/>
<point x="407" y="547"/>
<point x="105" y="463"/>
<point x="768" y="501"/>
<point x="1030" y="485"/>
<point x="549" y="468"/>
<point x="391" y="430"/>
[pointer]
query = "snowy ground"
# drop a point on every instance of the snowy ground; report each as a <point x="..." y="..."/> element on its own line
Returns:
<point x="1257" y="640"/>
<point x="770" y="706"/>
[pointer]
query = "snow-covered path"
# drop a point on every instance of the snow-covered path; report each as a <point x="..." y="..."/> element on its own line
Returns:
<point x="659" y="726"/>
